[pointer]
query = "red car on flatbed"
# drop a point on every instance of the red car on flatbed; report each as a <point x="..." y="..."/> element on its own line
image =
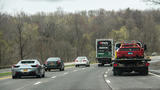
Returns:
<point x="130" y="58"/>
<point x="130" y="51"/>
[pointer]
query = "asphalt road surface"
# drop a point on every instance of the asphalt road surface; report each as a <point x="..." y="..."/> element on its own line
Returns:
<point x="84" y="78"/>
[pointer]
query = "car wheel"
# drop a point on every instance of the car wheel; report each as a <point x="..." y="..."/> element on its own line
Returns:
<point x="60" y="69"/>
<point x="115" y="73"/>
<point x="38" y="76"/>
<point x="49" y="70"/>
<point x="63" y="69"/>
<point x="14" y="77"/>
<point x="18" y="76"/>
<point x="43" y="75"/>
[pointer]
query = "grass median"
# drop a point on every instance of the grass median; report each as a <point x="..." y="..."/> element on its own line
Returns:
<point x="5" y="74"/>
<point x="69" y="65"/>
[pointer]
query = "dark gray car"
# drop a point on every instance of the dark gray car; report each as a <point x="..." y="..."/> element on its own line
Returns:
<point x="54" y="63"/>
<point x="30" y="67"/>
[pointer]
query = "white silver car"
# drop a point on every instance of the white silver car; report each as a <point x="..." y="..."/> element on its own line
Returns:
<point x="82" y="61"/>
<point x="30" y="67"/>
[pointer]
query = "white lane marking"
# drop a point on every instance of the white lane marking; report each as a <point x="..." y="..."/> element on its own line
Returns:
<point x="154" y="74"/>
<point x="83" y="68"/>
<point x="108" y="81"/>
<point x="65" y="73"/>
<point x="75" y="70"/>
<point x="37" y="83"/>
<point x="54" y="77"/>
<point x="106" y="72"/>
<point x="105" y="76"/>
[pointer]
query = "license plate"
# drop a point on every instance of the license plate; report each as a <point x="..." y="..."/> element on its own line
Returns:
<point x="130" y="53"/>
<point x="52" y="64"/>
<point x="25" y="70"/>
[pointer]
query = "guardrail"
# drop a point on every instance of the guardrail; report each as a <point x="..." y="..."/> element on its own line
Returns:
<point x="3" y="67"/>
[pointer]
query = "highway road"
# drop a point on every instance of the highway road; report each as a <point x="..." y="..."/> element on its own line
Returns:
<point x="84" y="78"/>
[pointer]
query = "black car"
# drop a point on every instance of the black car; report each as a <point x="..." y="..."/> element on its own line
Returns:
<point x="54" y="63"/>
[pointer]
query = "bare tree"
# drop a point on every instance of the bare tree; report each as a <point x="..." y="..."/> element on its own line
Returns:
<point x="156" y="2"/>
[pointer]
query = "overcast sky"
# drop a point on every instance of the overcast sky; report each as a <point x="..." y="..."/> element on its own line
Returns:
<point x="34" y="6"/>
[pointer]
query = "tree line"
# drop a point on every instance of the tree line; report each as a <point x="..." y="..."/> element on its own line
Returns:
<point x="68" y="35"/>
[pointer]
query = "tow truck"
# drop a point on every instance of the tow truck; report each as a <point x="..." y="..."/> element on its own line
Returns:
<point x="129" y="57"/>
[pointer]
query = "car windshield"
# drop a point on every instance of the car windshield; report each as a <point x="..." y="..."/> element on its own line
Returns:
<point x="80" y="58"/>
<point x="128" y="45"/>
<point x="53" y="59"/>
<point x="27" y="62"/>
<point x="129" y="49"/>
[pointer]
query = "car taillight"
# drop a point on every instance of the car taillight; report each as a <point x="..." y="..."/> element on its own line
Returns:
<point x="115" y="64"/>
<point x="15" y="66"/>
<point x="35" y="65"/>
<point x="76" y="60"/>
<point x="84" y="60"/>
<point x="58" y="62"/>
<point x="147" y="64"/>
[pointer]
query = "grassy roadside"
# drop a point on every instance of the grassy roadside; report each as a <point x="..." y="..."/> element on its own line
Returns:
<point x="5" y="74"/>
<point x="69" y="65"/>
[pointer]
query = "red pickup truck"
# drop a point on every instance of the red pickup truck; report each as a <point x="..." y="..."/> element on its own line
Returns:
<point x="130" y="51"/>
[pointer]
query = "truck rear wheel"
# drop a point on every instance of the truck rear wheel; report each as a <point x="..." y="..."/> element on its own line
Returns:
<point x="115" y="73"/>
<point x="145" y="72"/>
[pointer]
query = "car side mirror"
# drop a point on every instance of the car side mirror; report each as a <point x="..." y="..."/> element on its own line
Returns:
<point x="145" y="47"/>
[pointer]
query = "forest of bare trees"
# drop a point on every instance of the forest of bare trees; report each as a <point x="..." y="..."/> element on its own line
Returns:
<point x="68" y="35"/>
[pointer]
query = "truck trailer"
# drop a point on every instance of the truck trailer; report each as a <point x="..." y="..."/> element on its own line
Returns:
<point x="104" y="51"/>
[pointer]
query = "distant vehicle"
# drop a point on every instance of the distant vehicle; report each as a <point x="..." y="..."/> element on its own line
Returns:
<point x="154" y="53"/>
<point x="130" y="51"/>
<point x="30" y="67"/>
<point x="104" y="51"/>
<point x="54" y="63"/>
<point x="82" y="61"/>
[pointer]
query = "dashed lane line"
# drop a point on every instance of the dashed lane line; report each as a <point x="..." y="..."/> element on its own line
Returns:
<point x="108" y="81"/>
<point x="75" y="70"/>
<point x="54" y="77"/>
<point x="37" y="83"/>
<point x="105" y="76"/>
<point x="65" y="73"/>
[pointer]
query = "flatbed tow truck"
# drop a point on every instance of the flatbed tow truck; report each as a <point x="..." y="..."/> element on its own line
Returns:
<point x="130" y="65"/>
<point x="130" y="57"/>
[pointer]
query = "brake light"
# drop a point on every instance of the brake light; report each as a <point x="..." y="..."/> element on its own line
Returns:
<point x="15" y="66"/>
<point x="58" y="62"/>
<point x="76" y="60"/>
<point x="84" y="60"/>
<point x="35" y="65"/>
<point x="147" y="64"/>
<point x="115" y="64"/>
